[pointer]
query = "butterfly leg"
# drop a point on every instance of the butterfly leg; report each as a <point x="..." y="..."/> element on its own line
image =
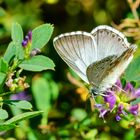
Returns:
<point x="120" y="88"/>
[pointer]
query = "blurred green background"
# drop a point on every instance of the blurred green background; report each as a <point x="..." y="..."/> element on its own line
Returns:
<point x="67" y="115"/>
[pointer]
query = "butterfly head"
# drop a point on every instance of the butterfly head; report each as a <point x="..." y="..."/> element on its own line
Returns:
<point x="94" y="91"/>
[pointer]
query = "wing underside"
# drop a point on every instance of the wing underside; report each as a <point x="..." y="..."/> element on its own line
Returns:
<point x="78" y="50"/>
<point x="108" y="70"/>
<point x="97" y="70"/>
<point x="109" y="41"/>
<point x="95" y="56"/>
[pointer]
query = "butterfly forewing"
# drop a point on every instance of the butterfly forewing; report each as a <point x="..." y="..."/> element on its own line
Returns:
<point x="78" y="50"/>
<point x="109" y="41"/>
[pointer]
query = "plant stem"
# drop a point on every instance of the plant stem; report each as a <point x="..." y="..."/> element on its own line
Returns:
<point x="5" y="93"/>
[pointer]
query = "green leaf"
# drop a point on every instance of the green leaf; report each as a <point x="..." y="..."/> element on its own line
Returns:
<point x="17" y="33"/>
<point x="22" y="104"/>
<point x="20" y="52"/>
<point x="130" y="134"/>
<point x="49" y="92"/>
<point x="41" y="35"/>
<point x="10" y="52"/>
<point x="135" y="101"/>
<point x="78" y="114"/>
<point x="17" y="37"/>
<point x="91" y="134"/>
<point x="3" y="114"/>
<point x="54" y="90"/>
<point x="4" y="127"/>
<point x="37" y="63"/>
<point x="2" y="77"/>
<point x="3" y="65"/>
<point x="42" y="94"/>
<point x="132" y="73"/>
<point x="22" y="116"/>
<point x="31" y="134"/>
<point x="2" y="12"/>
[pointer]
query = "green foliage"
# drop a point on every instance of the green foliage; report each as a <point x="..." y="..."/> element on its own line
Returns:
<point x="17" y="33"/>
<point x="78" y="114"/>
<point x="2" y="77"/>
<point x="54" y="89"/>
<point x="10" y="52"/>
<point x="133" y="71"/>
<point x="16" y="59"/>
<point x="3" y="114"/>
<point x="37" y="63"/>
<point x="130" y="135"/>
<point x="135" y="101"/>
<point x="22" y="104"/>
<point x="43" y="91"/>
<point x="17" y="37"/>
<point x="41" y="35"/>
<point x="5" y="127"/>
<point x="3" y="66"/>
<point x="22" y="116"/>
<point x="2" y="12"/>
<point x="42" y="94"/>
<point x="3" y="71"/>
<point x="91" y="134"/>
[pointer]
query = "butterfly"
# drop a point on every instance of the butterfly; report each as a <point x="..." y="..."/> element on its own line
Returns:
<point x="99" y="57"/>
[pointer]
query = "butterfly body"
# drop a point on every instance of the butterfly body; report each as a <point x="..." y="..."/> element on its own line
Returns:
<point x="99" y="57"/>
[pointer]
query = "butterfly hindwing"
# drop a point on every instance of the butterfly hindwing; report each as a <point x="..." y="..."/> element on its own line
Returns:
<point x="96" y="71"/>
<point x="107" y="71"/>
<point x="109" y="41"/>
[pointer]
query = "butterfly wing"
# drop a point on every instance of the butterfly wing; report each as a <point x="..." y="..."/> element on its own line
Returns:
<point x="78" y="50"/>
<point x="96" y="70"/>
<point x="109" y="69"/>
<point x="109" y="41"/>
